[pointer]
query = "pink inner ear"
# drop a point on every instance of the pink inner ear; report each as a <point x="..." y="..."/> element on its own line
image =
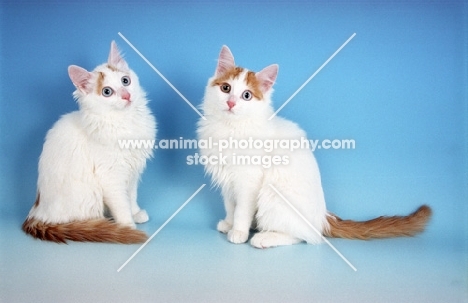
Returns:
<point x="79" y="76"/>
<point x="267" y="77"/>
<point x="225" y="61"/>
<point x="115" y="59"/>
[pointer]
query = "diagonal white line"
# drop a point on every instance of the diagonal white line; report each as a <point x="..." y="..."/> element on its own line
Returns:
<point x="162" y="76"/>
<point x="162" y="226"/>
<point x="316" y="231"/>
<point x="313" y="75"/>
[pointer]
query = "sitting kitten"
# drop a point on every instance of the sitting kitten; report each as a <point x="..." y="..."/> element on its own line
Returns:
<point x="82" y="170"/>
<point x="237" y="106"/>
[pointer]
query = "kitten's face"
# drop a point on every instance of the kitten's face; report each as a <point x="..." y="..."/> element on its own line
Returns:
<point x="111" y="86"/>
<point x="114" y="87"/>
<point x="236" y="92"/>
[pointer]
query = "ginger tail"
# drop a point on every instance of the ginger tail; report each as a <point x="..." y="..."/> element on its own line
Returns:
<point x="96" y="230"/>
<point x="381" y="227"/>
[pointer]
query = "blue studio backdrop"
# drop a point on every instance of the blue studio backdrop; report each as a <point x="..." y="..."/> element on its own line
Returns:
<point x="398" y="88"/>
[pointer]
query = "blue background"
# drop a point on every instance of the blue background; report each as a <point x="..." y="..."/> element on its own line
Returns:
<point x="399" y="89"/>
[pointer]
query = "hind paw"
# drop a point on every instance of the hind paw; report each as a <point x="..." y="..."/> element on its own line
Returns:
<point x="272" y="239"/>
<point x="141" y="216"/>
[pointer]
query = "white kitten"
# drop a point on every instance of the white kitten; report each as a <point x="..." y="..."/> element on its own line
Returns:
<point x="237" y="106"/>
<point x="82" y="169"/>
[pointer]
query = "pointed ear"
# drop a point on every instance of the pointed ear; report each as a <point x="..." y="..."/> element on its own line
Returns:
<point x="267" y="77"/>
<point x="225" y="61"/>
<point x="115" y="58"/>
<point x="79" y="76"/>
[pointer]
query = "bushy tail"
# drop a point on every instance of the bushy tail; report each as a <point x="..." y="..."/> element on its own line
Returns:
<point x="96" y="230"/>
<point x="381" y="227"/>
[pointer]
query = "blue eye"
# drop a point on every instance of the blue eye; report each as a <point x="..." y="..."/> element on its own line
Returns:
<point x="107" y="91"/>
<point x="247" y="95"/>
<point x="126" y="81"/>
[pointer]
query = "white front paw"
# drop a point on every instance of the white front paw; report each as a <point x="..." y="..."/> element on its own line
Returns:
<point x="237" y="236"/>
<point x="224" y="226"/>
<point x="259" y="241"/>
<point x="141" y="216"/>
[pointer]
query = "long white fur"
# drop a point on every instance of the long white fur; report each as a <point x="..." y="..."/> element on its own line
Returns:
<point x="248" y="198"/>
<point x="82" y="168"/>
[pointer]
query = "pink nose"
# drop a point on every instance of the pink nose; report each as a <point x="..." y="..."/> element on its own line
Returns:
<point x="126" y="95"/>
<point x="231" y="104"/>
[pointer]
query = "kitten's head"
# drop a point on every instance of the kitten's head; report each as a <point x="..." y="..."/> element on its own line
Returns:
<point x="235" y="92"/>
<point x="110" y="86"/>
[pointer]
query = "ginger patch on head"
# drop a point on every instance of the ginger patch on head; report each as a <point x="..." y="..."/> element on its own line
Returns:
<point x="254" y="85"/>
<point x="112" y="68"/>
<point x="232" y="73"/>
<point x="250" y="79"/>
<point x="100" y="83"/>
